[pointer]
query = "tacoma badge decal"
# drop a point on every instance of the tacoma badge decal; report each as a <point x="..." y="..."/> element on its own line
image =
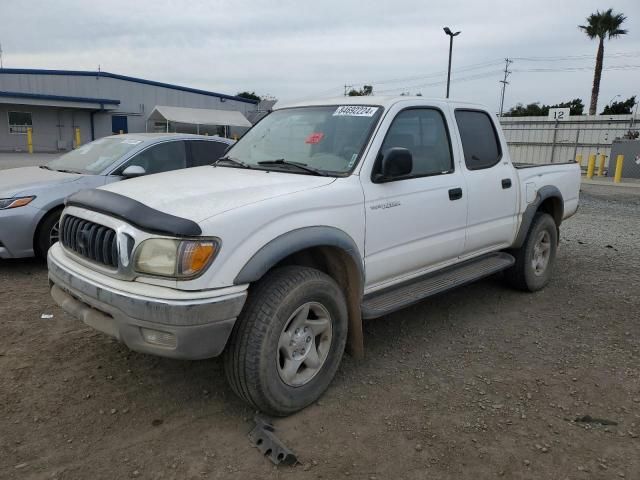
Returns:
<point x="385" y="205"/>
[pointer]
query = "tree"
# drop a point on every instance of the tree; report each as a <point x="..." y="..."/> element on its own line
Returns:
<point x="601" y="25"/>
<point x="364" y="91"/>
<point x="249" y="95"/>
<point x="535" y="109"/>
<point x="620" y="108"/>
<point x="575" y="106"/>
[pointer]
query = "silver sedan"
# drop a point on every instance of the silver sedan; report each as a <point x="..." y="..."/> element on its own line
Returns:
<point x="31" y="198"/>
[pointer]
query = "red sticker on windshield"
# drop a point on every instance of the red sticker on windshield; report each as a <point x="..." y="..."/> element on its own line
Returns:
<point x="315" y="137"/>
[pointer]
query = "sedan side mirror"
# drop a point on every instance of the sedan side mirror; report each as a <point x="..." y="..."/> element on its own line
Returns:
<point x="397" y="163"/>
<point x="133" y="171"/>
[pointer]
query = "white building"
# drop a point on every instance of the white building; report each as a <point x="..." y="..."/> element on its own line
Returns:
<point x="56" y="102"/>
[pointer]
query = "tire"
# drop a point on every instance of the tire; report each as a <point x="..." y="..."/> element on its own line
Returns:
<point x="47" y="231"/>
<point x="542" y="236"/>
<point x="261" y="357"/>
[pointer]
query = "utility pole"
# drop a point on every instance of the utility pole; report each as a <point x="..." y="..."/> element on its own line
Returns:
<point x="347" y="89"/>
<point x="1" y="65"/>
<point x="507" y="72"/>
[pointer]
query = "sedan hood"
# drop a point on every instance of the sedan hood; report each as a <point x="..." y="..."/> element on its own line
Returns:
<point x="202" y="192"/>
<point x="26" y="180"/>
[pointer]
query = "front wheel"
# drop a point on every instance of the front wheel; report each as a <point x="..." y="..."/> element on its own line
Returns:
<point x="48" y="233"/>
<point x="288" y="342"/>
<point x="536" y="257"/>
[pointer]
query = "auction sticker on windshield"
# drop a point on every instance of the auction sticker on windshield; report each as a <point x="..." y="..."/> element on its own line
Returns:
<point x="355" y="111"/>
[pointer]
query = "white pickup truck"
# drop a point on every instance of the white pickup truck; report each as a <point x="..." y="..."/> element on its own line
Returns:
<point x="323" y="214"/>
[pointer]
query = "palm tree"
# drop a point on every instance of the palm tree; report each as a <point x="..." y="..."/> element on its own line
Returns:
<point x="600" y="25"/>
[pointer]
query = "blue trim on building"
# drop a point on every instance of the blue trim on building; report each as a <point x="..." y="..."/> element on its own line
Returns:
<point x="62" y="98"/>
<point x="81" y="73"/>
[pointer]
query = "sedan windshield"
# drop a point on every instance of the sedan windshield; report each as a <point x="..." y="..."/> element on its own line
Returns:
<point x="94" y="157"/>
<point x="324" y="139"/>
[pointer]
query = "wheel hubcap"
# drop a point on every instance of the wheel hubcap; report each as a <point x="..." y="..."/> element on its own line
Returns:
<point x="304" y="344"/>
<point x="54" y="234"/>
<point x="541" y="253"/>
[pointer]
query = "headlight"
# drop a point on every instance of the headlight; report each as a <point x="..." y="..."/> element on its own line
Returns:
<point x="6" y="203"/>
<point x="175" y="258"/>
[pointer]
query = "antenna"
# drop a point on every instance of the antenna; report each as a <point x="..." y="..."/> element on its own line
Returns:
<point x="507" y="72"/>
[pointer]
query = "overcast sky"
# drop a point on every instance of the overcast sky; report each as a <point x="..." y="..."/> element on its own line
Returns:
<point x="299" y="49"/>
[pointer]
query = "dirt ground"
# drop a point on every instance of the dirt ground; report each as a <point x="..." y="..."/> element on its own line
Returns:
<point x="481" y="382"/>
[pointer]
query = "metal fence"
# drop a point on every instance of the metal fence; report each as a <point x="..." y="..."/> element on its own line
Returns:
<point x="541" y="140"/>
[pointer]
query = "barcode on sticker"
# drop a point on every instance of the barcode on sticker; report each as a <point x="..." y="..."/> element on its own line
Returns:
<point x="355" y="111"/>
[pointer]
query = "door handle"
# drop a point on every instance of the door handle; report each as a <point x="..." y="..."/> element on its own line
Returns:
<point x="506" y="183"/>
<point x="455" y="194"/>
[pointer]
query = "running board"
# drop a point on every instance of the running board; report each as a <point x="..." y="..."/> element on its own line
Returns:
<point x="397" y="297"/>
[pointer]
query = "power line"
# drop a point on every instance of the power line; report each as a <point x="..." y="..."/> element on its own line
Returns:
<point x="507" y="62"/>
<point x="576" y="57"/>
<point x="574" y="69"/>
<point x="442" y="82"/>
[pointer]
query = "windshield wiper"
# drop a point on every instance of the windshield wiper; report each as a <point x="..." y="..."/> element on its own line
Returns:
<point x="299" y="165"/>
<point x="235" y="161"/>
<point x="45" y="167"/>
<point x="68" y="171"/>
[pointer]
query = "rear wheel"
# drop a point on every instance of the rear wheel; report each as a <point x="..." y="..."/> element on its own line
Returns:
<point x="48" y="233"/>
<point x="535" y="259"/>
<point x="288" y="342"/>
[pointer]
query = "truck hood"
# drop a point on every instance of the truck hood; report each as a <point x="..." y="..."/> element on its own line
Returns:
<point x="27" y="180"/>
<point x="202" y="192"/>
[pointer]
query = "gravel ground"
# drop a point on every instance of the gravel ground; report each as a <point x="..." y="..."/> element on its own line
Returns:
<point x="481" y="382"/>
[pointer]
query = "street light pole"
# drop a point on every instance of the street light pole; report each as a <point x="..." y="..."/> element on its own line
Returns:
<point x="451" y="34"/>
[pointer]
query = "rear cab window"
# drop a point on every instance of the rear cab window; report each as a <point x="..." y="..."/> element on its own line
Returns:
<point x="479" y="138"/>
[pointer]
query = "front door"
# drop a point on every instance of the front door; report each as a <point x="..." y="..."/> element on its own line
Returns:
<point x="418" y="222"/>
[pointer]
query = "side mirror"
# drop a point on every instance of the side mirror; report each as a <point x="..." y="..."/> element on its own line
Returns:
<point x="133" y="171"/>
<point x="397" y="163"/>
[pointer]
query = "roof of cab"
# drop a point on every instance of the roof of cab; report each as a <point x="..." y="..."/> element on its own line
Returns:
<point x="382" y="101"/>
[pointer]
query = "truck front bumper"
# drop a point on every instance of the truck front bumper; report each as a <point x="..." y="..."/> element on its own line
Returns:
<point x="182" y="328"/>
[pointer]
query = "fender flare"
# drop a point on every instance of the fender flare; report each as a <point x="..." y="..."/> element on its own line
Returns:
<point x="294" y="241"/>
<point x="548" y="191"/>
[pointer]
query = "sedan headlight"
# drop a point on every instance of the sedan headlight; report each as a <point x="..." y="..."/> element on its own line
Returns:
<point x="175" y="258"/>
<point x="6" y="203"/>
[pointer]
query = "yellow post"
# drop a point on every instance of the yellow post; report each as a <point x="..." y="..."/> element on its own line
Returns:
<point x="601" y="165"/>
<point x="619" y="161"/>
<point x="77" y="137"/>
<point x="591" y="166"/>
<point x="30" y="139"/>
<point x="579" y="160"/>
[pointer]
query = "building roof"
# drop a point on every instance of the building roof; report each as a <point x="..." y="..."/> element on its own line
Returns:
<point x="61" y="98"/>
<point x="199" y="116"/>
<point x="85" y="73"/>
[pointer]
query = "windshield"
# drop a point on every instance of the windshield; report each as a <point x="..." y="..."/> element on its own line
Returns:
<point x="94" y="157"/>
<point x="329" y="139"/>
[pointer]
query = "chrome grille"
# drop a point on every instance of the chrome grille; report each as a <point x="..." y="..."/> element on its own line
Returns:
<point x="91" y="240"/>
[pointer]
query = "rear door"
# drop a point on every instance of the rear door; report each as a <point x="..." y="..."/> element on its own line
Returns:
<point x="205" y="152"/>
<point x="491" y="184"/>
<point x="418" y="222"/>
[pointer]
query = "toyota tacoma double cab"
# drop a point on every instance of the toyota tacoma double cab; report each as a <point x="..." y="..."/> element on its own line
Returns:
<point x="325" y="213"/>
